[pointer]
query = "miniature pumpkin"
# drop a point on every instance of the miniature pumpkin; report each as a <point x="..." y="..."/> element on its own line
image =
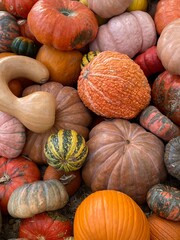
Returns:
<point x="87" y="57"/>
<point x="116" y="215"/>
<point x="164" y="200"/>
<point x="12" y="136"/>
<point x="37" y="197"/>
<point x="166" y="95"/>
<point x="70" y="114"/>
<point x="9" y="29"/>
<point x="129" y="33"/>
<point x="71" y="180"/>
<point x="161" y="228"/>
<point x="66" y="150"/>
<point x="31" y="110"/>
<point x="63" y="66"/>
<point x="141" y="5"/>
<point x="123" y="156"/>
<point x="48" y="20"/>
<point x="157" y="123"/>
<point x="46" y="225"/>
<point x="108" y="8"/>
<point x="166" y="12"/>
<point x="168" y="49"/>
<point x="15" y="172"/>
<point x="149" y="61"/>
<point x="172" y="157"/>
<point x="24" y="46"/>
<point x="113" y="85"/>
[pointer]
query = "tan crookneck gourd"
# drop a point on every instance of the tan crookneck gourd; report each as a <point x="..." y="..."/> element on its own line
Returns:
<point x="37" y="110"/>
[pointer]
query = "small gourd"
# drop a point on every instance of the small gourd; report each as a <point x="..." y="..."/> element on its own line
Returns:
<point x="138" y="5"/>
<point x="87" y="57"/>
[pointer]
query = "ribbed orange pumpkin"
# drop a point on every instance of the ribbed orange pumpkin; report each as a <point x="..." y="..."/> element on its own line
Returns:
<point x="114" y="86"/>
<point x="110" y="215"/>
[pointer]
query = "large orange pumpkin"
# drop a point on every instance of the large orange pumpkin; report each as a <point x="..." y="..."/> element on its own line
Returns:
<point x="110" y="215"/>
<point x="114" y="86"/>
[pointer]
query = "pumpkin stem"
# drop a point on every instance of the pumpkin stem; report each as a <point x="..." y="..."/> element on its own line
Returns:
<point x="5" y="178"/>
<point x="67" y="12"/>
<point x="41" y="238"/>
<point x="66" y="179"/>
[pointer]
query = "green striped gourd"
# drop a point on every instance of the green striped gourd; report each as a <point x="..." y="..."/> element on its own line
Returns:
<point x="66" y="150"/>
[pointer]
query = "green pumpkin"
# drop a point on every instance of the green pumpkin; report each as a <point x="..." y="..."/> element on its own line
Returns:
<point x="66" y="150"/>
<point x="24" y="46"/>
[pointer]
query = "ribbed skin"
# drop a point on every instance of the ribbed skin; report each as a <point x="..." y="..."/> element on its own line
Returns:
<point x="66" y="150"/>
<point x="110" y="215"/>
<point x="88" y="57"/>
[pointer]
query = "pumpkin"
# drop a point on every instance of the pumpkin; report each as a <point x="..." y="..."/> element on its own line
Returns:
<point x="149" y="61"/>
<point x="24" y="46"/>
<point x="19" y="8"/>
<point x="157" y="123"/>
<point x="71" y="180"/>
<point x="63" y="66"/>
<point x="129" y="33"/>
<point x="32" y="110"/>
<point x="24" y="30"/>
<point x="172" y="157"/>
<point x="164" y="200"/>
<point x="123" y="156"/>
<point x="2" y="7"/>
<point x="117" y="217"/>
<point x="141" y="5"/>
<point x="12" y="136"/>
<point x="108" y="8"/>
<point x="66" y="150"/>
<point x="9" y="29"/>
<point x="168" y="49"/>
<point x="47" y="225"/>
<point x="48" y="20"/>
<point x="161" y="228"/>
<point x="70" y="114"/>
<point x="87" y="57"/>
<point x="166" y="95"/>
<point x="166" y="12"/>
<point x="15" y="172"/>
<point x="113" y="85"/>
<point x="37" y="197"/>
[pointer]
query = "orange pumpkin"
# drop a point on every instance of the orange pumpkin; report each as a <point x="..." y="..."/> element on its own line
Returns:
<point x="163" y="229"/>
<point x="114" y="86"/>
<point x="64" y="66"/>
<point x="110" y="215"/>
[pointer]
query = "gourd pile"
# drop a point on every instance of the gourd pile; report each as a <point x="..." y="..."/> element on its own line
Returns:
<point x="90" y="95"/>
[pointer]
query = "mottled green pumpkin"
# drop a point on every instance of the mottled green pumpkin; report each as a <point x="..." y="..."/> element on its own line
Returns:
<point x="66" y="150"/>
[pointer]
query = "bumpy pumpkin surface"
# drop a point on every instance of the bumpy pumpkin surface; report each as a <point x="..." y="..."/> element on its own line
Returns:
<point x="125" y="157"/>
<point x="116" y="215"/>
<point x="70" y="114"/>
<point x="113" y="85"/>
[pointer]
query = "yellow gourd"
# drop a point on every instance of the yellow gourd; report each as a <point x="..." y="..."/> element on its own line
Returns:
<point x="138" y="5"/>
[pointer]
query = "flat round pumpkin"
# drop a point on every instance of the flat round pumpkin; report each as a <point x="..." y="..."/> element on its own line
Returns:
<point x="123" y="156"/>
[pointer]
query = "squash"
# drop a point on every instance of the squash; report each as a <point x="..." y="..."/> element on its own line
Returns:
<point x="37" y="197"/>
<point x="149" y="61"/>
<point x="157" y="123"/>
<point x="46" y="225"/>
<point x="116" y="215"/>
<point x="129" y="33"/>
<point x="113" y="85"/>
<point x="164" y="200"/>
<point x="63" y="66"/>
<point x="123" y="156"/>
<point x="19" y="8"/>
<point x="166" y="11"/>
<point x="15" y="172"/>
<point x="70" y="114"/>
<point x="66" y="150"/>
<point x="9" y="29"/>
<point x="161" y="228"/>
<point x="87" y="57"/>
<point x="108" y="8"/>
<point x="24" y="29"/>
<point x="141" y="5"/>
<point x="24" y="46"/>
<point x="12" y="136"/>
<point x="32" y="110"/>
<point x="71" y="180"/>
<point x="166" y="95"/>
<point x="48" y="20"/>
<point x="172" y="157"/>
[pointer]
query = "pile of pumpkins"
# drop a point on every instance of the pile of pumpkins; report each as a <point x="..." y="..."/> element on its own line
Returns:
<point x="90" y="90"/>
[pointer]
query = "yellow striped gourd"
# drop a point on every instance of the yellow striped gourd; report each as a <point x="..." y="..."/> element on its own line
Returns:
<point x="66" y="150"/>
<point x="88" y="57"/>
